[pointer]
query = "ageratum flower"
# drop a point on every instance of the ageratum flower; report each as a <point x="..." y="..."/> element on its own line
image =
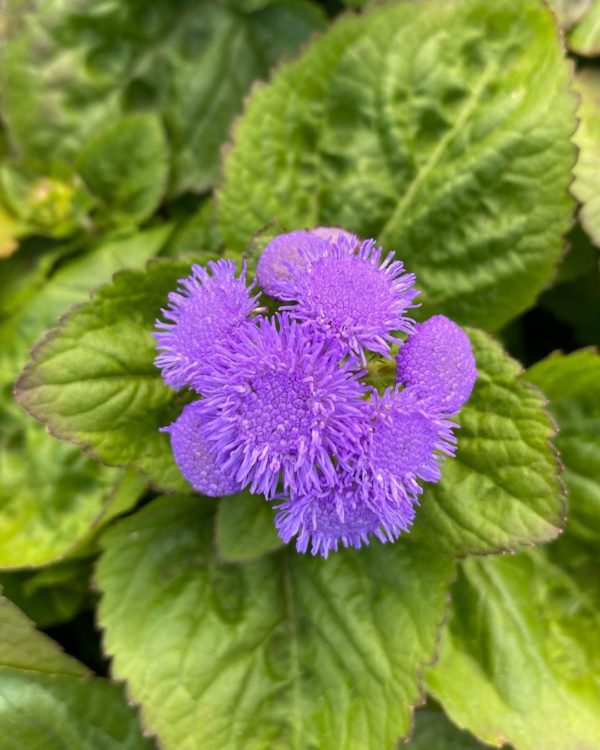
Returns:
<point x="281" y="255"/>
<point x="375" y="492"/>
<point x="351" y="293"/>
<point x="408" y="442"/>
<point x="280" y="405"/>
<point x="339" y="513"/>
<point x="437" y="360"/>
<point x="196" y="458"/>
<point x="206" y="308"/>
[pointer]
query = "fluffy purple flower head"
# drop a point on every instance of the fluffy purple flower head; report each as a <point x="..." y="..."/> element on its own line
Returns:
<point x="339" y="513"/>
<point x="352" y="294"/>
<point x="437" y="360"/>
<point x="408" y="442"/>
<point x="279" y="405"/>
<point x="281" y="255"/>
<point x="206" y="308"/>
<point x="196" y="458"/>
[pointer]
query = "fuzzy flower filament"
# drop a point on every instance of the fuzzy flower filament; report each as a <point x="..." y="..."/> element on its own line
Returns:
<point x="206" y="308"/>
<point x="356" y="295"/>
<point x="279" y="405"/>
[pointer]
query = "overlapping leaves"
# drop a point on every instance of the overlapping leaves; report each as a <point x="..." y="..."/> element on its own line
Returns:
<point x="520" y="660"/>
<point x="49" y="700"/>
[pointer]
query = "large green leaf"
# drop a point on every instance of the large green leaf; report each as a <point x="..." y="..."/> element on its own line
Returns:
<point x="572" y="383"/>
<point x="284" y="652"/>
<point x="586" y="186"/>
<point x="94" y="382"/>
<point x="502" y="490"/>
<point x="48" y="701"/>
<point x="520" y="662"/>
<point x="69" y="69"/>
<point x="427" y="126"/>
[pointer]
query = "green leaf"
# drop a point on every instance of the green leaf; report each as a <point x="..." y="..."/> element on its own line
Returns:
<point x="584" y="39"/>
<point x="433" y="731"/>
<point x="425" y="125"/>
<point x="23" y="648"/>
<point x="287" y="651"/>
<point x="245" y="528"/>
<point x="50" y="494"/>
<point x="93" y="379"/>
<point x="125" y="166"/>
<point x="572" y="383"/>
<point x="70" y="285"/>
<point x="586" y="185"/>
<point x="48" y="701"/>
<point x="53" y="595"/>
<point x="502" y="490"/>
<point x="520" y="661"/>
<point x="69" y="69"/>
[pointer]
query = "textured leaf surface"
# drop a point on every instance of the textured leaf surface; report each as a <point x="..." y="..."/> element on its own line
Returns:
<point x="48" y="701"/>
<point x="586" y="186"/>
<point x="94" y="382"/>
<point x="284" y="652"/>
<point x="520" y="662"/>
<point x="502" y="490"/>
<point x="572" y="383"/>
<point x="425" y="125"/>
<point x="70" y="69"/>
<point x="245" y="528"/>
<point x="125" y="166"/>
<point x="585" y="37"/>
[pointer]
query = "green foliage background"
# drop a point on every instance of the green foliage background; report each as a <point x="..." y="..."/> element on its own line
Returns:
<point x="137" y="138"/>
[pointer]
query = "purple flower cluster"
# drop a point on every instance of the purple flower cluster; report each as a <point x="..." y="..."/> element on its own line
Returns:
<point x="285" y="407"/>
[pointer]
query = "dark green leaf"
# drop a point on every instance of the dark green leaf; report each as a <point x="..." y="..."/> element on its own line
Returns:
<point x="125" y="166"/>
<point x="70" y="69"/>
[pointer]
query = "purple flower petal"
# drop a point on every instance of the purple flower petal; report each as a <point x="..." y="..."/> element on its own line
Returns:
<point x="196" y="458"/>
<point x="438" y="361"/>
<point x="282" y="255"/>
<point x="207" y="307"/>
<point x="279" y="405"/>
<point x="351" y="294"/>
